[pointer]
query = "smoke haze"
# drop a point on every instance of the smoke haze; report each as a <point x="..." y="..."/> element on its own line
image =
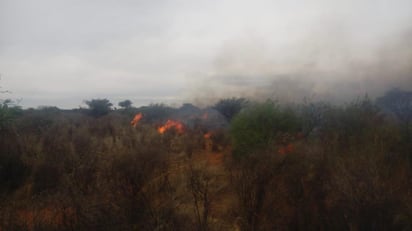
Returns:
<point x="62" y="52"/>
<point x="336" y="61"/>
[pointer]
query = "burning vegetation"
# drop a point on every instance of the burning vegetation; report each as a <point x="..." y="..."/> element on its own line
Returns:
<point x="171" y="124"/>
<point x="136" y="119"/>
<point x="235" y="165"/>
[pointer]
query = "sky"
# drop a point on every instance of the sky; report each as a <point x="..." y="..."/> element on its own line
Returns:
<point x="62" y="52"/>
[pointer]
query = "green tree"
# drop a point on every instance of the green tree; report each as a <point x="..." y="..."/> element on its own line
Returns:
<point x="155" y="113"/>
<point x="126" y="104"/>
<point x="99" y="107"/>
<point x="8" y="113"/>
<point x="257" y="126"/>
<point x="5" y="115"/>
<point x="230" y="107"/>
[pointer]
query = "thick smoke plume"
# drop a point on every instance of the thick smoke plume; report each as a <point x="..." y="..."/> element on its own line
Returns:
<point x="332" y="64"/>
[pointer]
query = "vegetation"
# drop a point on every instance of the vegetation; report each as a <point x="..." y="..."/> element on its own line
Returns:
<point x="8" y="112"/>
<point x="260" y="125"/>
<point x="230" y="107"/>
<point x="315" y="166"/>
<point x="99" y="107"/>
<point x="126" y="104"/>
<point x="399" y="103"/>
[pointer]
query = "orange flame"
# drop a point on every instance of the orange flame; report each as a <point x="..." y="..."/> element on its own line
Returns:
<point x="286" y="149"/>
<point x="207" y="135"/>
<point x="205" y="116"/>
<point x="171" y="124"/>
<point x="136" y="119"/>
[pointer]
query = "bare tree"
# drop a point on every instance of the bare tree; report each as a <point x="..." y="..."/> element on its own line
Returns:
<point x="199" y="186"/>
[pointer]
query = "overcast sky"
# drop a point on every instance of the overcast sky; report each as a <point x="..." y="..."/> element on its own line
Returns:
<point x="61" y="52"/>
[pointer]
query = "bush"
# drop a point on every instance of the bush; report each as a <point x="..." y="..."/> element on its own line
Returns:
<point x="46" y="177"/>
<point x="99" y="107"/>
<point x="258" y="126"/>
<point x="156" y="113"/>
<point x="399" y="103"/>
<point x="13" y="171"/>
<point x="351" y="124"/>
<point x="126" y="104"/>
<point x="229" y="108"/>
<point x="8" y="113"/>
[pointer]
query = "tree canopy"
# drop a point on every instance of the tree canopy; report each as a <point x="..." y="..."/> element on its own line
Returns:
<point x="99" y="107"/>
<point x="257" y="126"/>
<point x="125" y="104"/>
<point x="230" y="107"/>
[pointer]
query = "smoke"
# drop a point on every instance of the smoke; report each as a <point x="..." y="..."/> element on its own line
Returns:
<point x="333" y="62"/>
<point x="54" y="52"/>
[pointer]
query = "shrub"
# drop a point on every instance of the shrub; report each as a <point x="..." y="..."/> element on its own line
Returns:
<point x="46" y="177"/>
<point x="351" y="124"/>
<point x="126" y="104"/>
<point x="256" y="127"/>
<point x="399" y="103"/>
<point x="13" y="172"/>
<point x="99" y="107"/>
<point x="8" y="113"/>
<point x="156" y="113"/>
<point x="229" y="108"/>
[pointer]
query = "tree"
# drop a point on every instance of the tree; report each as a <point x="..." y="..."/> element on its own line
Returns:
<point x="156" y="113"/>
<point x="5" y="116"/>
<point x="230" y="107"/>
<point x="8" y="110"/>
<point x="99" y="107"/>
<point x="256" y="127"/>
<point x="399" y="103"/>
<point x="126" y="104"/>
<point x="199" y="185"/>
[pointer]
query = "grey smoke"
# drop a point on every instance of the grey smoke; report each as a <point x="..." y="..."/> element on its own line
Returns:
<point x="323" y="67"/>
<point x="63" y="52"/>
<point x="334" y="50"/>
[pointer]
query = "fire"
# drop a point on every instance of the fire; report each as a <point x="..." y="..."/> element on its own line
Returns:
<point x="208" y="143"/>
<point x="205" y="116"/>
<point x="171" y="124"/>
<point x="286" y="149"/>
<point x="136" y="119"/>
<point x="207" y="135"/>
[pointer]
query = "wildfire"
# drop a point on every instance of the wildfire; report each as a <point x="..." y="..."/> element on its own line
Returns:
<point x="207" y="135"/>
<point x="171" y="124"/>
<point x="136" y="119"/>
<point x="286" y="149"/>
<point x="208" y="143"/>
<point x="205" y="116"/>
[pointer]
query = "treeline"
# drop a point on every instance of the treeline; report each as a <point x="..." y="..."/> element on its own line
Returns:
<point x="309" y="166"/>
